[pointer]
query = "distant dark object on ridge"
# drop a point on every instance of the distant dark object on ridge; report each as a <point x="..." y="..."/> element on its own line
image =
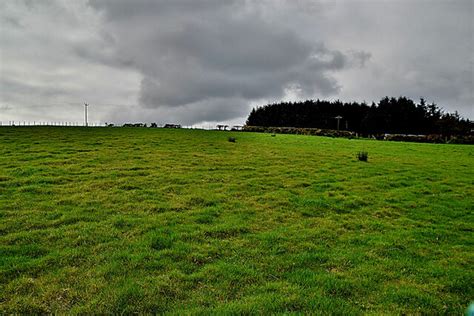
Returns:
<point x="390" y="116"/>
<point x="134" y="125"/>
<point x="172" y="126"/>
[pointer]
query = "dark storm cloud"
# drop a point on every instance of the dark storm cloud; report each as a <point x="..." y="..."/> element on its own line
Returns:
<point x="211" y="60"/>
<point x="192" y="53"/>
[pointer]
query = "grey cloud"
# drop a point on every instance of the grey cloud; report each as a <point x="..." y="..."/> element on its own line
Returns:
<point x="216" y="50"/>
<point x="360" y="58"/>
<point x="242" y="45"/>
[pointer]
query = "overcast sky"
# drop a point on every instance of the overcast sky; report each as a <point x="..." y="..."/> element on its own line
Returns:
<point x="201" y="62"/>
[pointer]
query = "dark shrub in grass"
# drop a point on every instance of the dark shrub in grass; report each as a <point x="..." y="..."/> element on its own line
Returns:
<point x="232" y="139"/>
<point x="160" y="242"/>
<point x="363" y="156"/>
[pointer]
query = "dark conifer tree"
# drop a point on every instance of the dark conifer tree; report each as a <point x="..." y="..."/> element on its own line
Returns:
<point x="391" y="115"/>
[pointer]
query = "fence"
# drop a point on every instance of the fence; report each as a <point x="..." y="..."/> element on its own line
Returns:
<point x="45" y="123"/>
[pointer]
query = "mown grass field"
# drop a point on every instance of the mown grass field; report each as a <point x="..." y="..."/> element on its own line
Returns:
<point x="111" y="220"/>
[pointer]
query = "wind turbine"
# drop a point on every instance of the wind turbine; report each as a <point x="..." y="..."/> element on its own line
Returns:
<point x="85" y="113"/>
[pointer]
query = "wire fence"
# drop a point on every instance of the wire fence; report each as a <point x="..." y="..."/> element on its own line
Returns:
<point x="102" y="124"/>
<point x="48" y="123"/>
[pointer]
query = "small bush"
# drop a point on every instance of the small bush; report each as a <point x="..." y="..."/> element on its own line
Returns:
<point x="273" y="135"/>
<point x="162" y="239"/>
<point x="160" y="242"/>
<point x="363" y="155"/>
<point x="231" y="139"/>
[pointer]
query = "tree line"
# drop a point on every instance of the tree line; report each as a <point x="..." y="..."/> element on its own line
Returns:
<point x="390" y="115"/>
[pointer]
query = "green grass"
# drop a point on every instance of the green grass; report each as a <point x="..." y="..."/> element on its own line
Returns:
<point x="117" y="220"/>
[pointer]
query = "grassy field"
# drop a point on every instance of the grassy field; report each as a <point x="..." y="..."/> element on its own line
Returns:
<point x="103" y="220"/>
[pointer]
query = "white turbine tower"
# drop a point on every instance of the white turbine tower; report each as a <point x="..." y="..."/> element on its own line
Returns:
<point x="85" y="113"/>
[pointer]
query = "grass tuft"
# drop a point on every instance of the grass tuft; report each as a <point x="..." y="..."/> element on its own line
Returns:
<point x="363" y="156"/>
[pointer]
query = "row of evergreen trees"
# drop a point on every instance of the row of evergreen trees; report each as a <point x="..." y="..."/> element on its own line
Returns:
<point x="391" y="115"/>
